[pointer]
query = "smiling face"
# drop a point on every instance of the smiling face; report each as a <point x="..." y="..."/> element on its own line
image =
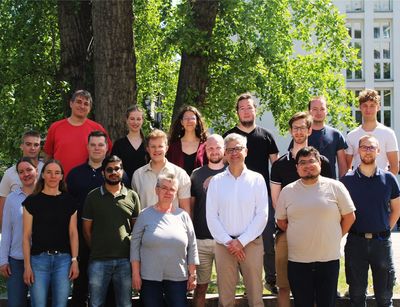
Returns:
<point x="189" y="121"/>
<point x="135" y="121"/>
<point x="368" y="150"/>
<point x="215" y="149"/>
<point x="157" y="149"/>
<point x="80" y="107"/>
<point x="308" y="167"/>
<point x="27" y="173"/>
<point x="235" y="153"/>
<point x="300" y="131"/>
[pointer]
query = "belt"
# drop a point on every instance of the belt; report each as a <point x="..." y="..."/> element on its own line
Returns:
<point x="52" y="252"/>
<point x="372" y="235"/>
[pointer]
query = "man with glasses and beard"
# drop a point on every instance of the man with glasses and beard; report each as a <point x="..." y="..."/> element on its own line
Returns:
<point x="108" y="217"/>
<point x="375" y="193"/>
<point x="262" y="149"/>
<point x="315" y="212"/>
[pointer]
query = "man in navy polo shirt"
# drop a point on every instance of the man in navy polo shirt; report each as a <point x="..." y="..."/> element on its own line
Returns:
<point x="375" y="193"/>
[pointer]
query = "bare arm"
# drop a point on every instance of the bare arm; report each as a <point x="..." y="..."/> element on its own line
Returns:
<point x="87" y="230"/>
<point x="393" y="158"/>
<point x="275" y="191"/>
<point x="394" y="211"/>
<point x="273" y="157"/>
<point x="342" y="163"/>
<point x="192" y="204"/>
<point x="136" y="279"/>
<point x="26" y="247"/>
<point x="347" y="221"/>
<point x="74" y="243"/>
<point x="184" y="203"/>
<point x="349" y="161"/>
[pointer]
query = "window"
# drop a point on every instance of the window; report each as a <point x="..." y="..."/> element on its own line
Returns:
<point x="382" y="5"/>
<point x="384" y="116"/>
<point x="353" y="6"/>
<point x="382" y="50"/>
<point x="355" y="31"/>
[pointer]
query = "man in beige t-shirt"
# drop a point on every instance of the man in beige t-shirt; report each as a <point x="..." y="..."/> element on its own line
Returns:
<point x="315" y="212"/>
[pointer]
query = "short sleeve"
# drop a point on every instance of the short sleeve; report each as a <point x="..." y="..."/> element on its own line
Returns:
<point x="184" y="185"/>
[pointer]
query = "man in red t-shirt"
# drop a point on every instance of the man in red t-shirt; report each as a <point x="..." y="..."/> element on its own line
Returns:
<point x="66" y="139"/>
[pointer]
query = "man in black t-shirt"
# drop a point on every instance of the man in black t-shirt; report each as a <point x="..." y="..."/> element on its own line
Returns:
<point x="200" y="179"/>
<point x="262" y="149"/>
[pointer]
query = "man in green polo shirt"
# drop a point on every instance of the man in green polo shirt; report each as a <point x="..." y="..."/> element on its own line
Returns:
<point x="108" y="217"/>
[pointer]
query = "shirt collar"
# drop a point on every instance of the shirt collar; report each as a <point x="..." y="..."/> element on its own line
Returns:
<point x="104" y="191"/>
<point x="358" y="172"/>
<point x="244" y="172"/>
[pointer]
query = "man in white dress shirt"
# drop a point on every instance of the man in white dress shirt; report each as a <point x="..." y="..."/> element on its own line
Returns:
<point x="237" y="213"/>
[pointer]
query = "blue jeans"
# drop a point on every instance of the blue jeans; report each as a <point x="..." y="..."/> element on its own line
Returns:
<point x="314" y="282"/>
<point x="101" y="273"/>
<point x="54" y="270"/>
<point x="16" y="289"/>
<point x="153" y="293"/>
<point x="360" y="253"/>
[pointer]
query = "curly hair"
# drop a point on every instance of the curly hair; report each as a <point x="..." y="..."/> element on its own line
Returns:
<point x="177" y="131"/>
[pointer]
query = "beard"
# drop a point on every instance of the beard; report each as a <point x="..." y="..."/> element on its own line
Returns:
<point x="368" y="160"/>
<point x="113" y="182"/>
<point x="215" y="160"/>
<point x="247" y="123"/>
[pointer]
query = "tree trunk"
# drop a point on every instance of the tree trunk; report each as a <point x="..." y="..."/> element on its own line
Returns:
<point x="114" y="63"/>
<point x="193" y="74"/>
<point x="74" y="23"/>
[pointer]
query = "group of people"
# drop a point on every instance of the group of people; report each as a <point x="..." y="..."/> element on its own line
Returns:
<point x="154" y="213"/>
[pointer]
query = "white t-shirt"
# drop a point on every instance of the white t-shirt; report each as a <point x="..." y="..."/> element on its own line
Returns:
<point x="387" y="143"/>
<point x="314" y="213"/>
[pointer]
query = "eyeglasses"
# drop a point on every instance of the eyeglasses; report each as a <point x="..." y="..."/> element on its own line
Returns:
<point x="368" y="148"/>
<point x="301" y="128"/>
<point x="236" y="149"/>
<point x="305" y="162"/>
<point x="189" y="118"/>
<point x="166" y="189"/>
<point x="110" y="170"/>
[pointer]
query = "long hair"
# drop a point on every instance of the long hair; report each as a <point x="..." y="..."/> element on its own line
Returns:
<point x="136" y="108"/>
<point x="40" y="183"/>
<point x="177" y="131"/>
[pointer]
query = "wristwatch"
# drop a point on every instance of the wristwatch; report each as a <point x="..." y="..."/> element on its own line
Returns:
<point x="74" y="259"/>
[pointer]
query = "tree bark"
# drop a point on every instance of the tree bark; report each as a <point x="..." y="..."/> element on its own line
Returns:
<point x="114" y="63"/>
<point x="193" y="73"/>
<point x="74" y="23"/>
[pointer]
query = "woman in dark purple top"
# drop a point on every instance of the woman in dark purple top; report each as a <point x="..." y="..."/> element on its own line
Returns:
<point x="187" y="140"/>
<point x="131" y="148"/>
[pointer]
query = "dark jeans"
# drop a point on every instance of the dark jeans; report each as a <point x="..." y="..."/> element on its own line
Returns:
<point x="153" y="293"/>
<point x="16" y="288"/>
<point x="360" y="253"/>
<point x="269" y="248"/>
<point x="80" y="291"/>
<point x="314" y="282"/>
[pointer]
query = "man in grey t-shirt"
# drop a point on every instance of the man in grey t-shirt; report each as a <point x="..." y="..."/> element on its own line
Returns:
<point x="205" y="243"/>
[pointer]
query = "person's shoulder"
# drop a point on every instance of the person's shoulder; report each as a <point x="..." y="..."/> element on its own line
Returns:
<point x="59" y="123"/>
<point x="263" y="131"/>
<point x="232" y="130"/>
<point x="10" y="171"/>
<point x="383" y="128"/>
<point x="96" y="192"/>
<point x="93" y="124"/>
<point x="355" y="132"/>
<point x="332" y="130"/>
<point x="78" y="169"/>
<point x="141" y="170"/>
<point x="282" y="159"/>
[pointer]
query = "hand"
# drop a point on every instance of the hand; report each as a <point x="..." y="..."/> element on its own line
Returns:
<point x="192" y="282"/>
<point x="136" y="281"/>
<point x="28" y="276"/>
<point x="5" y="270"/>
<point x="234" y="246"/>
<point x="240" y="256"/>
<point x="73" y="270"/>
